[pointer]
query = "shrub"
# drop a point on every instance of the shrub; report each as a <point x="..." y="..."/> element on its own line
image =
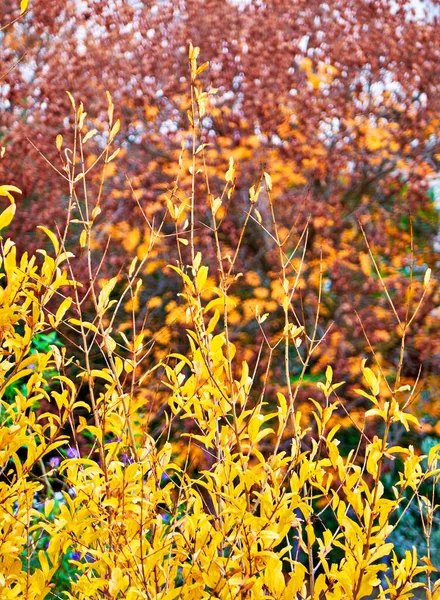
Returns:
<point x="237" y="486"/>
<point x="344" y="134"/>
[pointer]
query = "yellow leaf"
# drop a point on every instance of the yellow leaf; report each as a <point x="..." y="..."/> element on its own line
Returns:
<point x="365" y="262"/>
<point x="329" y="374"/>
<point x="200" y="148"/>
<point x="103" y="374"/>
<point x="114" y="130"/>
<point x="273" y="577"/>
<point x="372" y="380"/>
<point x="88" y="135"/>
<point x="213" y="322"/>
<point x="81" y="116"/>
<point x="230" y="173"/>
<point x="112" y="156"/>
<point x="96" y="212"/>
<point x="109" y="343"/>
<point x="118" y="581"/>
<point x="202" y="68"/>
<point x="72" y="101"/>
<point x="104" y="294"/>
<point x="83" y="238"/>
<point x="215" y="205"/>
<point x="196" y="262"/>
<point x="193" y="52"/>
<point x="5" y="189"/>
<point x="48" y="506"/>
<point x="258" y="215"/>
<point x="92" y="429"/>
<point x="62" y="309"/>
<point x="57" y="356"/>
<point x="254" y="194"/>
<point x="268" y="180"/>
<point x="85" y="324"/>
<point x="23" y="6"/>
<point x="132" y="266"/>
<point x="110" y="108"/>
<point x="220" y="303"/>
<point x="52" y="237"/>
<point x="19" y="375"/>
<point x="427" y="278"/>
<point x="254" y="427"/>
<point x="202" y="275"/>
<point x="6" y="216"/>
<point x="310" y="534"/>
<point x="380" y="552"/>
